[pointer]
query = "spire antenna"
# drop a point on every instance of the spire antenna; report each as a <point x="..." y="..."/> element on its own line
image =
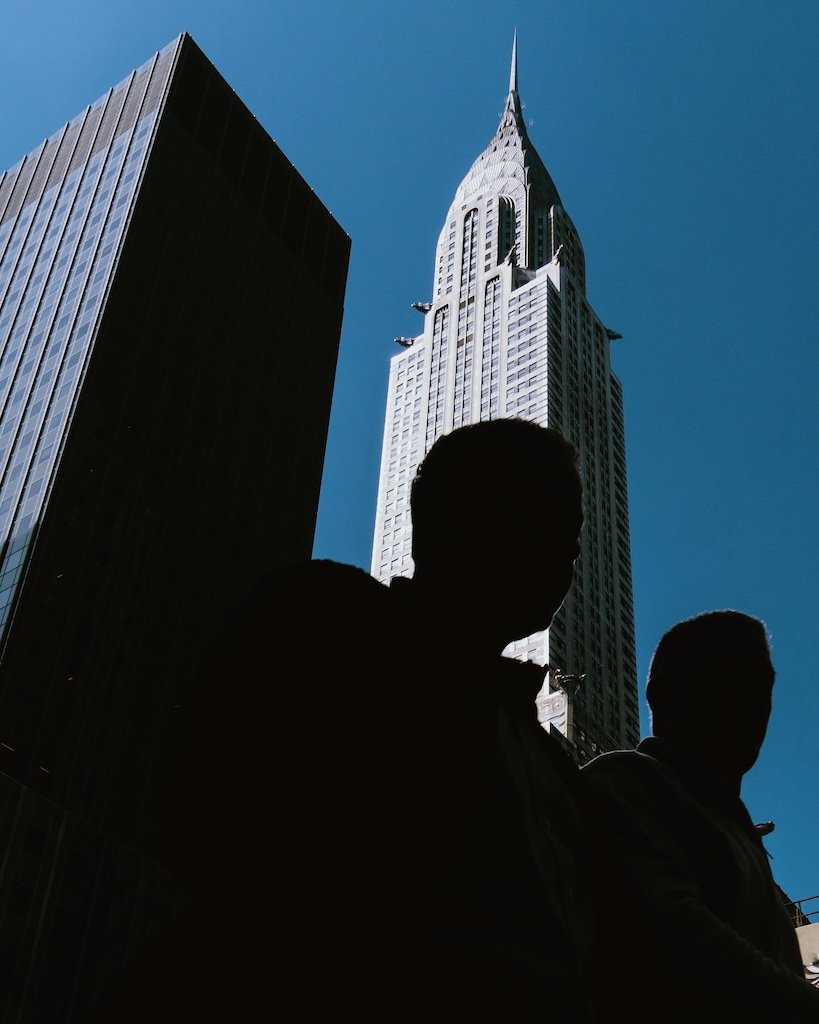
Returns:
<point x="513" y="70"/>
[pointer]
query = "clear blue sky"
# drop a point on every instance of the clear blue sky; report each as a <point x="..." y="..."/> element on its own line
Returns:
<point x="683" y="140"/>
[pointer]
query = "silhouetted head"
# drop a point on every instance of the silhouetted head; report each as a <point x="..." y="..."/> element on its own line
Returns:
<point x="709" y="689"/>
<point x="497" y="509"/>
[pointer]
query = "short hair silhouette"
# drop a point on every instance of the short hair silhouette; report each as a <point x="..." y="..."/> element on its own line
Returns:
<point x="467" y="476"/>
<point x="717" y="655"/>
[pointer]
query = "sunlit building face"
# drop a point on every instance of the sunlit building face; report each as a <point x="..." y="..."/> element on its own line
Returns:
<point x="508" y="331"/>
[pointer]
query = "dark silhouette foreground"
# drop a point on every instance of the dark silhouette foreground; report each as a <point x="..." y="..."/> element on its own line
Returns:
<point x="696" y="925"/>
<point x="368" y="816"/>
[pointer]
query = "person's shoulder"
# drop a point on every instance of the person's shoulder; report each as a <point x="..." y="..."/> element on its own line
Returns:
<point x="323" y="570"/>
<point x="314" y="604"/>
<point x="615" y="760"/>
<point x="631" y="777"/>
<point x="623" y="763"/>
<point x="321" y="580"/>
<point x="612" y="769"/>
<point x="342" y="594"/>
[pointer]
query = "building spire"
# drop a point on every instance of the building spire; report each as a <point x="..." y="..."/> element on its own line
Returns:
<point x="513" y="106"/>
<point x="513" y="70"/>
<point x="510" y="157"/>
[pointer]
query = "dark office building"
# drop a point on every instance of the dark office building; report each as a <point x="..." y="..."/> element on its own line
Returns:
<point x="171" y="297"/>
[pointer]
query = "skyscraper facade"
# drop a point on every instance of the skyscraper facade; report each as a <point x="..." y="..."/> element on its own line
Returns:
<point x="171" y="298"/>
<point x="509" y="331"/>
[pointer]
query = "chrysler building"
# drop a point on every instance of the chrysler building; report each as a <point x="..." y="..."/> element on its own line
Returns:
<point x="508" y="331"/>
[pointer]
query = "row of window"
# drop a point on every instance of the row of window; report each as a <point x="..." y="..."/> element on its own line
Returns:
<point x="71" y="241"/>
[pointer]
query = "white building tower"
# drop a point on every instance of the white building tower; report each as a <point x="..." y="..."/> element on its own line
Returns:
<point x="509" y="332"/>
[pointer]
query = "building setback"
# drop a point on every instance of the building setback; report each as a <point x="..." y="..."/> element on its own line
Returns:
<point x="509" y="332"/>
<point x="171" y="299"/>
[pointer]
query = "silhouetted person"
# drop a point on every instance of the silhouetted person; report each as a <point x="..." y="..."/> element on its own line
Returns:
<point x="274" y="809"/>
<point x="696" y="925"/>
<point x="496" y="518"/>
<point x="367" y="813"/>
